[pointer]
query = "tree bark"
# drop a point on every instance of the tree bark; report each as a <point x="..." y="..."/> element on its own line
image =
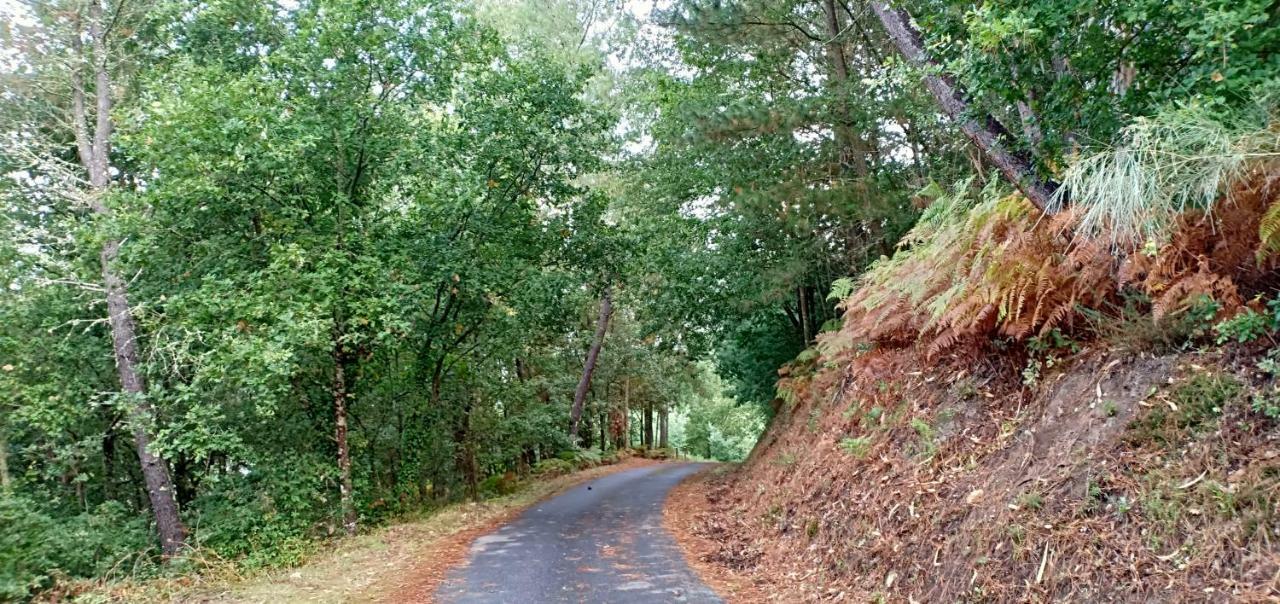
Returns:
<point x="648" y="425"/>
<point x="6" y="483"/>
<point x="95" y="157"/>
<point x="805" y="319"/>
<point x="624" y="431"/>
<point x="588" y="368"/>
<point x="663" y="414"/>
<point x="987" y="135"/>
<point x="851" y="150"/>
<point x="346" y="493"/>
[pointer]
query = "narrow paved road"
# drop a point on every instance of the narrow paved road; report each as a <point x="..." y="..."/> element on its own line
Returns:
<point x="601" y="542"/>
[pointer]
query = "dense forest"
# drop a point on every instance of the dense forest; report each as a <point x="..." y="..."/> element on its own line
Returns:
<point x="274" y="272"/>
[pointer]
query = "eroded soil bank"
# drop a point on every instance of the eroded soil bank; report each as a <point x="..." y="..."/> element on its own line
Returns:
<point x="1109" y="477"/>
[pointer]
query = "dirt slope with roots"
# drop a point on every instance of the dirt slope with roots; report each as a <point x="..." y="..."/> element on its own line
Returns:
<point x="1113" y="477"/>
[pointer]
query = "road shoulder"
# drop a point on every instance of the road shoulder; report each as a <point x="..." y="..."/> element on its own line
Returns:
<point x="683" y="516"/>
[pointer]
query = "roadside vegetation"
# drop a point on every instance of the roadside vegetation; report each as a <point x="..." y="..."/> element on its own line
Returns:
<point x="1056" y="384"/>
<point x="272" y="274"/>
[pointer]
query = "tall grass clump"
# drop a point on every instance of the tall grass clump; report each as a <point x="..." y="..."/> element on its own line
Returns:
<point x="1165" y="165"/>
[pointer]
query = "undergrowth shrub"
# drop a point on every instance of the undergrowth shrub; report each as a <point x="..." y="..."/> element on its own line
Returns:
<point x="1129" y="324"/>
<point x="38" y="547"/>
<point x="265" y="518"/>
<point x="1249" y="324"/>
<point x="858" y="446"/>
<point x="1266" y="400"/>
<point x="975" y="264"/>
<point x="660" y="453"/>
<point x="552" y="467"/>
<point x="499" y="484"/>
<point x="589" y="458"/>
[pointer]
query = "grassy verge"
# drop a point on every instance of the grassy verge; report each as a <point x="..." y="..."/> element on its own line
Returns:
<point x="402" y="560"/>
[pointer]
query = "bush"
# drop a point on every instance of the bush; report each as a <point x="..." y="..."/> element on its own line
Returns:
<point x="589" y="458"/>
<point x="499" y="484"/>
<point x="37" y="547"/>
<point x="582" y="458"/>
<point x="857" y="447"/>
<point x="268" y="517"/>
<point x="660" y="453"/>
<point x="548" y="468"/>
<point x="1177" y="160"/>
<point x="568" y="455"/>
<point x="1247" y="325"/>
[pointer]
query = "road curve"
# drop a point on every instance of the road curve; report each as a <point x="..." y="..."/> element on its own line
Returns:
<point x="603" y="541"/>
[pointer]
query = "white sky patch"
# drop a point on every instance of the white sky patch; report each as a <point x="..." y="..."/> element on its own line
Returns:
<point x="812" y="135"/>
<point x="705" y="207"/>
<point x="16" y="13"/>
<point x="13" y="14"/>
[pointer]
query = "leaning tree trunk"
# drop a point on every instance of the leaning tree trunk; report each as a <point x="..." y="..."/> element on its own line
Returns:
<point x="580" y="395"/>
<point x="95" y="158"/>
<point x="988" y="135"/>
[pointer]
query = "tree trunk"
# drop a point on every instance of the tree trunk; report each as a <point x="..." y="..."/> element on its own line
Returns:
<point x="988" y="135"/>
<point x="663" y="414"/>
<point x="624" y="424"/>
<point x="580" y="395"/>
<point x="6" y="483"/>
<point x="604" y="431"/>
<point x="346" y="493"/>
<point x="465" y="458"/>
<point x="648" y="425"/>
<point x="805" y="319"/>
<point x="851" y="150"/>
<point x="95" y="157"/>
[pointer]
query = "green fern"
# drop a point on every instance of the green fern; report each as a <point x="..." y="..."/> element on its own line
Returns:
<point x="841" y="288"/>
<point x="1269" y="233"/>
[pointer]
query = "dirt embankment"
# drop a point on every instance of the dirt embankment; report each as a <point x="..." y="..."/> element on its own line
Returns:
<point x="1113" y="477"/>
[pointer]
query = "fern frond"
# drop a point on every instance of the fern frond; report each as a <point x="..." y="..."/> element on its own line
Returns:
<point x="1268" y="233"/>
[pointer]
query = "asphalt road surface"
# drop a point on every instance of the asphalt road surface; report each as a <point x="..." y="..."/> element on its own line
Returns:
<point x="603" y="541"/>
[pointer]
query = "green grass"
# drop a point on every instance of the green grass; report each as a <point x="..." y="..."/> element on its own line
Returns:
<point x="1192" y="406"/>
<point x="858" y="447"/>
<point x="1030" y="500"/>
<point x="1177" y="160"/>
